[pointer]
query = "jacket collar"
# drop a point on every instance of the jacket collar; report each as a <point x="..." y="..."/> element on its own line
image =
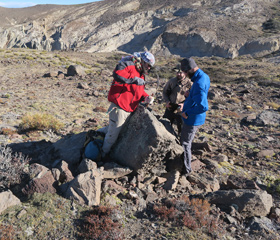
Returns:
<point x="196" y="74"/>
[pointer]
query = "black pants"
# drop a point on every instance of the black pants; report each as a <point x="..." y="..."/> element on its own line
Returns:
<point x="171" y="116"/>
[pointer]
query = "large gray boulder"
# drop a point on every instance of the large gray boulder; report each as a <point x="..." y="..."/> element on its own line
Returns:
<point x="69" y="148"/>
<point x="145" y="144"/>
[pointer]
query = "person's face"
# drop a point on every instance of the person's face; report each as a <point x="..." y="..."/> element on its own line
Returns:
<point x="181" y="75"/>
<point x="146" y="67"/>
<point x="190" y="73"/>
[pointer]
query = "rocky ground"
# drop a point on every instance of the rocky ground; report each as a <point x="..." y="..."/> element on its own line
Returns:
<point x="242" y="129"/>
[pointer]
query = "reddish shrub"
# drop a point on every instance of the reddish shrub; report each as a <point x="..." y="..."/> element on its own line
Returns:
<point x="193" y="213"/>
<point x="98" y="224"/>
<point x="7" y="232"/>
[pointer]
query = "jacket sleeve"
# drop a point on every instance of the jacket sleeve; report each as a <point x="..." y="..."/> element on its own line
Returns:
<point x="124" y="73"/>
<point x="166" y="92"/>
<point x="144" y="96"/>
<point x="199" y="100"/>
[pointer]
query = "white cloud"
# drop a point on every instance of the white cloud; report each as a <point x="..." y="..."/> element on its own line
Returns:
<point x="17" y="4"/>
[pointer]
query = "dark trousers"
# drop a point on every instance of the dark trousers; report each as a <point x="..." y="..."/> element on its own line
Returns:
<point x="171" y="116"/>
<point x="187" y="136"/>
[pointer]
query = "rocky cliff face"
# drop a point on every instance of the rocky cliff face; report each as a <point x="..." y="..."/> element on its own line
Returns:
<point x="185" y="28"/>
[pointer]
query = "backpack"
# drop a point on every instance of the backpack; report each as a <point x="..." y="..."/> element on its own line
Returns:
<point x="93" y="145"/>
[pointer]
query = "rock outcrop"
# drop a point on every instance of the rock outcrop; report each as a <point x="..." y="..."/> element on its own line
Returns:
<point x="247" y="202"/>
<point x="146" y="145"/>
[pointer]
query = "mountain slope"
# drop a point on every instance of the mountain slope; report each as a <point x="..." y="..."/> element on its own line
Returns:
<point x="166" y="27"/>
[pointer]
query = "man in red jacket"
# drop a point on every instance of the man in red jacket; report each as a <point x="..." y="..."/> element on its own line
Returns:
<point x="126" y="92"/>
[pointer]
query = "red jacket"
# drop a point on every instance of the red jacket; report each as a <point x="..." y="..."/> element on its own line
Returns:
<point x="128" y="86"/>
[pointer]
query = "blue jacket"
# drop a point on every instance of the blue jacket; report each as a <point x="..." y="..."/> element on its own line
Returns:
<point x="196" y="104"/>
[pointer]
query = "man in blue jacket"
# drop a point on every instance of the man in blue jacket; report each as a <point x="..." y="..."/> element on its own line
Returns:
<point x="194" y="108"/>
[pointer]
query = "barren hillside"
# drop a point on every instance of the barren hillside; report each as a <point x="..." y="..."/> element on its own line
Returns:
<point x="185" y="28"/>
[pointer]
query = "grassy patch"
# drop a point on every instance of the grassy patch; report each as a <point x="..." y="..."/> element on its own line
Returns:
<point x="45" y="216"/>
<point x="40" y="121"/>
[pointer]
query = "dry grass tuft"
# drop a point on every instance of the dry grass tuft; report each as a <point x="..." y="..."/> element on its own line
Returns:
<point x="40" y="121"/>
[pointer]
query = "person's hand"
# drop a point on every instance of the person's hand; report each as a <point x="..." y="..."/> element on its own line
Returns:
<point x="149" y="100"/>
<point x="181" y="106"/>
<point x="138" y="81"/>
<point x="184" y="115"/>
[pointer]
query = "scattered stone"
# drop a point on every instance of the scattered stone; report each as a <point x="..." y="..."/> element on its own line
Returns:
<point x="172" y="180"/>
<point x="238" y="182"/>
<point x="265" y="118"/>
<point x="65" y="173"/>
<point x="160" y="180"/>
<point x="83" y="86"/>
<point x="42" y="183"/>
<point x="185" y="184"/>
<point x="197" y="165"/>
<point x="260" y="224"/>
<point x="249" y="203"/>
<point x="61" y="76"/>
<point x="87" y="165"/>
<point x="95" y="93"/>
<point x="151" y="197"/>
<point x="56" y="174"/>
<point x="111" y="185"/>
<point x="201" y="146"/>
<point x="266" y="153"/>
<point x="74" y="70"/>
<point x="268" y="118"/>
<point x="114" y="170"/>
<point x="220" y="158"/>
<point x="206" y="183"/>
<point x="51" y="74"/>
<point x="86" y="188"/>
<point x="21" y="213"/>
<point x="8" y="199"/>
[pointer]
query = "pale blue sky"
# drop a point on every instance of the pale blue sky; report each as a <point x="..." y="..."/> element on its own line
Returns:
<point x="29" y="3"/>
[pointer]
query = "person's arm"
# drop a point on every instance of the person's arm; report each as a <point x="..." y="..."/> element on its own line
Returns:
<point x="166" y="93"/>
<point x="199" y="98"/>
<point x="123" y="73"/>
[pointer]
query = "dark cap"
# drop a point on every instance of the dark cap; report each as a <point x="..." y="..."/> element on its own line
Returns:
<point x="187" y="64"/>
<point x="177" y="68"/>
